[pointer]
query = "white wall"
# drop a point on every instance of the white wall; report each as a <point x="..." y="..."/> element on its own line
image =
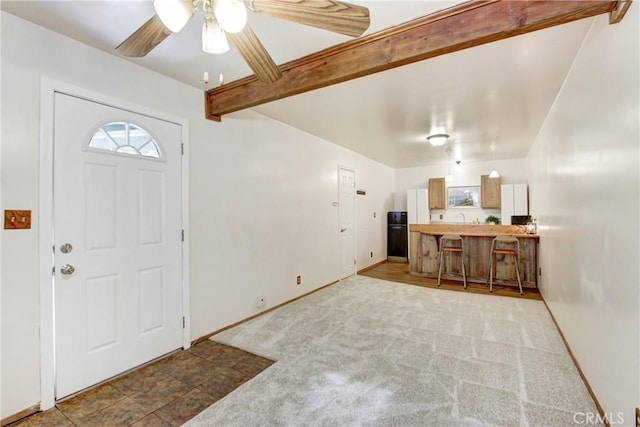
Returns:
<point x="261" y="197"/>
<point x="585" y="190"/>
<point x="512" y="171"/>
<point x="265" y="214"/>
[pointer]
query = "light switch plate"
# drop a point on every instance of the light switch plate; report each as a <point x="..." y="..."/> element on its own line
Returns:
<point x="17" y="220"/>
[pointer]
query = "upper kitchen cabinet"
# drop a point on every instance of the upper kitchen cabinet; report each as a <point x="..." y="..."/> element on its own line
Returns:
<point x="490" y="192"/>
<point x="438" y="194"/>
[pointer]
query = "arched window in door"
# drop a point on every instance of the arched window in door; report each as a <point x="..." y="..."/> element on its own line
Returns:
<point x="124" y="138"/>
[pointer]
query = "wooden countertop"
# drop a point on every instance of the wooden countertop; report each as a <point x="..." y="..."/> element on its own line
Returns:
<point x="480" y="230"/>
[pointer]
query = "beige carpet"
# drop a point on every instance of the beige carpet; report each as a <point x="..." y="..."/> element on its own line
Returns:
<point x="376" y="353"/>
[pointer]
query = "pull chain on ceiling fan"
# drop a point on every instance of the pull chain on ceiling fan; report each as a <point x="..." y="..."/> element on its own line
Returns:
<point x="228" y="19"/>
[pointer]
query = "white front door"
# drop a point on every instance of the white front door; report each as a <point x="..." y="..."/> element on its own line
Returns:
<point x="117" y="241"/>
<point x="347" y="207"/>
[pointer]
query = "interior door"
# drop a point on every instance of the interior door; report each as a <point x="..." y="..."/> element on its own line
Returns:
<point x="347" y="207"/>
<point x="118" y="241"/>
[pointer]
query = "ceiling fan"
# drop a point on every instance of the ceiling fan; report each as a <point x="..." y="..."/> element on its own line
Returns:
<point x="228" y="19"/>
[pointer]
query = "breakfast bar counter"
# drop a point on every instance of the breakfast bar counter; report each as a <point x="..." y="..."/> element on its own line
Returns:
<point x="423" y="253"/>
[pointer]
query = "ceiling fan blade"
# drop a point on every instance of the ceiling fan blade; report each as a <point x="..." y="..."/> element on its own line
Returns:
<point x="336" y="16"/>
<point x="255" y="55"/>
<point x="144" y="39"/>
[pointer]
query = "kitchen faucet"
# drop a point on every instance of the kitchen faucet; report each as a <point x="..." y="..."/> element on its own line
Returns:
<point x="464" y="220"/>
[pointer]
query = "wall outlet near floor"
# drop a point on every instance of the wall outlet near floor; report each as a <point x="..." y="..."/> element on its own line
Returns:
<point x="260" y="302"/>
<point x="298" y="280"/>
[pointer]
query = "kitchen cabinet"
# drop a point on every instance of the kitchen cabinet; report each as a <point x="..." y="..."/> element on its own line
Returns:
<point x="437" y="193"/>
<point x="515" y="201"/>
<point x="417" y="206"/>
<point x="490" y="192"/>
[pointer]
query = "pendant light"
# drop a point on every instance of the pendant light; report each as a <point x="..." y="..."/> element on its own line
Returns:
<point x="494" y="173"/>
<point x="449" y="177"/>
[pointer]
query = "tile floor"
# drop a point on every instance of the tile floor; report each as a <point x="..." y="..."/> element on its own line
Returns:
<point x="168" y="392"/>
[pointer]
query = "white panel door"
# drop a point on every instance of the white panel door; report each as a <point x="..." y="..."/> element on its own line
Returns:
<point x="347" y="207"/>
<point x="118" y="243"/>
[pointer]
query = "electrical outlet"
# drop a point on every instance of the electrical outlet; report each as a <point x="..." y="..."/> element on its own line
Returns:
<point x="260" y="302"/>
<point x="298" y="280"/>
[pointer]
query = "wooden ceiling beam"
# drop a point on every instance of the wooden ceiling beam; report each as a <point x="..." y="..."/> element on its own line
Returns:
<point x="466" y="25"/>
<point x="618" y="11"/>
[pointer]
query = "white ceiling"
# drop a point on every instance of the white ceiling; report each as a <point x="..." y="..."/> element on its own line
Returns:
<point x="495" y="94"/>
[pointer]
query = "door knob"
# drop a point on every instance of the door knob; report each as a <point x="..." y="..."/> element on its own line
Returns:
<point x="342" y="230"/>
<point x="66" y="248"/>
<point x="67" y="269"/>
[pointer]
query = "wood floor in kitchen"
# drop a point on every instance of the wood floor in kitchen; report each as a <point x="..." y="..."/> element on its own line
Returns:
<point x="399" y="272"/>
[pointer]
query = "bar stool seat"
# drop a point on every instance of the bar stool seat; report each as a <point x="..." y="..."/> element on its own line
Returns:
<point x="447" y="245"/>
<point x="505" y="245"/>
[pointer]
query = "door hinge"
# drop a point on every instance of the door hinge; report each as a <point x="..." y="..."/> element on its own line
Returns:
<point x="53" y="270"/>
<point x="184" y="322"/>
<point x="183" y="235"/>
<point x="354" y="261"/>
<point x="182" y="148"/>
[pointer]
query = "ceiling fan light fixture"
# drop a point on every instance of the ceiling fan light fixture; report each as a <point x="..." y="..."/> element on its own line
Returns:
<point x="174" y="14"/>
<point x="438" y="139"/>
<point x="231" y="15"/>
<point x="213" y="38"/>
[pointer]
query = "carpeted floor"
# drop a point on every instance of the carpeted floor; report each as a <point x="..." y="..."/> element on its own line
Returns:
<point x="370" y="352"/>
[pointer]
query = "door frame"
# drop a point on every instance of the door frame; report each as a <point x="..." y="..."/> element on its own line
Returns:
<point x="48" y="88"/>
<point x="355" y="223"/>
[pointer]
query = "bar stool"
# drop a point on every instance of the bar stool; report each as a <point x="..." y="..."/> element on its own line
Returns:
<point x="506" y="245"/>
<point x="446" y="245"/>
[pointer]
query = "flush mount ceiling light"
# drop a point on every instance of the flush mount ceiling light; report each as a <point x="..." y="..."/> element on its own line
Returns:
<point x="438" y="139"/>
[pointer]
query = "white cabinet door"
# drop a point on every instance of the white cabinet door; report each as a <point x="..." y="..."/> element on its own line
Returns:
<point x="514" y="201"/>
<point x="422" y="206"/>
<point x="412" y="207"/>
<point x="520" y="200"/>
<point x="418" y="206"/>
<point x="506" y="210"/>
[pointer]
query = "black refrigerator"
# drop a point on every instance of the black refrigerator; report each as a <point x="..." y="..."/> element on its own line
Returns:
<point x="397" y="247"/>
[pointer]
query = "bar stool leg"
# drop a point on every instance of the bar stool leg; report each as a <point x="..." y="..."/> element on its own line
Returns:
<point x="518" y="267"/>
<point x="491" y="267"/>
<point x="439" y="263"/>
<point x="464" y="272"/>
